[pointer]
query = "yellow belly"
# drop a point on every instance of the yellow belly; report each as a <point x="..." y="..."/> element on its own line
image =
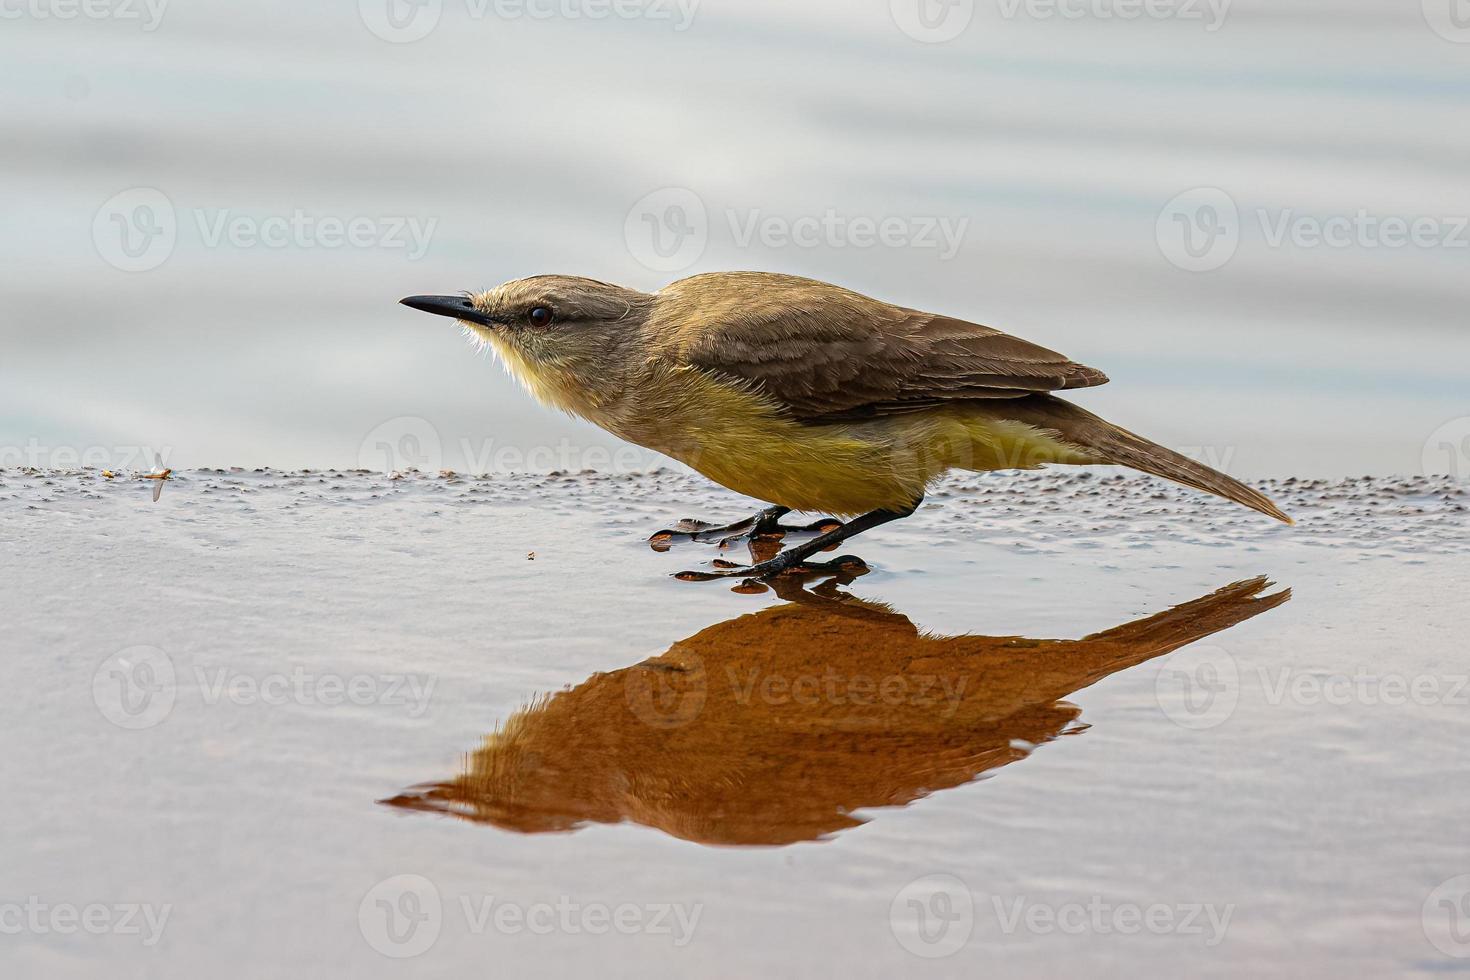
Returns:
<point x="852" y="468"/>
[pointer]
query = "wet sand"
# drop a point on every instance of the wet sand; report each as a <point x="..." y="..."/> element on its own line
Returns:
<point x="341" y="725"/>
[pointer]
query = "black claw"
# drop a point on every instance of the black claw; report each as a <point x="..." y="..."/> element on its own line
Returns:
<point x="764" y="524"/>
<point x="690" y="529"/>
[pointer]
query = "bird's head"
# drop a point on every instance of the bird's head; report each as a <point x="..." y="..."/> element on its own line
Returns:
<point x="553" y="332"/>
<point x="546" y="319"/>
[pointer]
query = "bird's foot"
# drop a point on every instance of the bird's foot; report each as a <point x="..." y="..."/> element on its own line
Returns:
<point x="787" y="563"/>
<point x="691" y="529"/>
<point x="764" y="525"/>
<point x="797" y="558"/>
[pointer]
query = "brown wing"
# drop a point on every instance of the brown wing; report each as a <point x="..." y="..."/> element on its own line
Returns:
<point x="858" y="363"/>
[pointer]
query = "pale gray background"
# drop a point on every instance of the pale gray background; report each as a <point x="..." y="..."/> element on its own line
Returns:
<point x="530" y="142"/>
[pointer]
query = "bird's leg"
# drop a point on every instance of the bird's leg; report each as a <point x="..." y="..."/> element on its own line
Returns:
<point x="796" y="556"/>
<point x="763" y="523"/>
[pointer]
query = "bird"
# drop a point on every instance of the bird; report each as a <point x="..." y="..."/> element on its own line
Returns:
<point x="803" y="394"/>
<point x="798" y="721"/>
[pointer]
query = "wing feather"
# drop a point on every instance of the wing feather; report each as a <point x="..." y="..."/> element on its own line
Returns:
<point x="855" y="357"/>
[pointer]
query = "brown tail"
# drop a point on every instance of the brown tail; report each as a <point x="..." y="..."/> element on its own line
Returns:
<point x="1114" y="445"/>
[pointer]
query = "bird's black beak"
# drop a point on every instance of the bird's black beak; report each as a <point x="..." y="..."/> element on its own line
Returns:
<point x="458" y="307"/>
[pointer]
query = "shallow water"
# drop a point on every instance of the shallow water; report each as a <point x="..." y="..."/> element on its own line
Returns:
<point x="337" y="725"/>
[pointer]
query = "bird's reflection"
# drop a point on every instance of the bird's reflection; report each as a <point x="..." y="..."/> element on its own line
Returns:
<point x="776" y="726"/>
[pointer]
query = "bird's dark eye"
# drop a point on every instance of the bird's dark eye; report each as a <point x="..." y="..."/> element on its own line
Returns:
<point x="541" y="316"/>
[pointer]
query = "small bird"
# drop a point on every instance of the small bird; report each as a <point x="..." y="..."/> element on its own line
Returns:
<point x="804" y="394"/>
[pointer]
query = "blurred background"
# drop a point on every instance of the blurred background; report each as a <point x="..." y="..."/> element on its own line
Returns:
<point x="1252" y="215"/>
